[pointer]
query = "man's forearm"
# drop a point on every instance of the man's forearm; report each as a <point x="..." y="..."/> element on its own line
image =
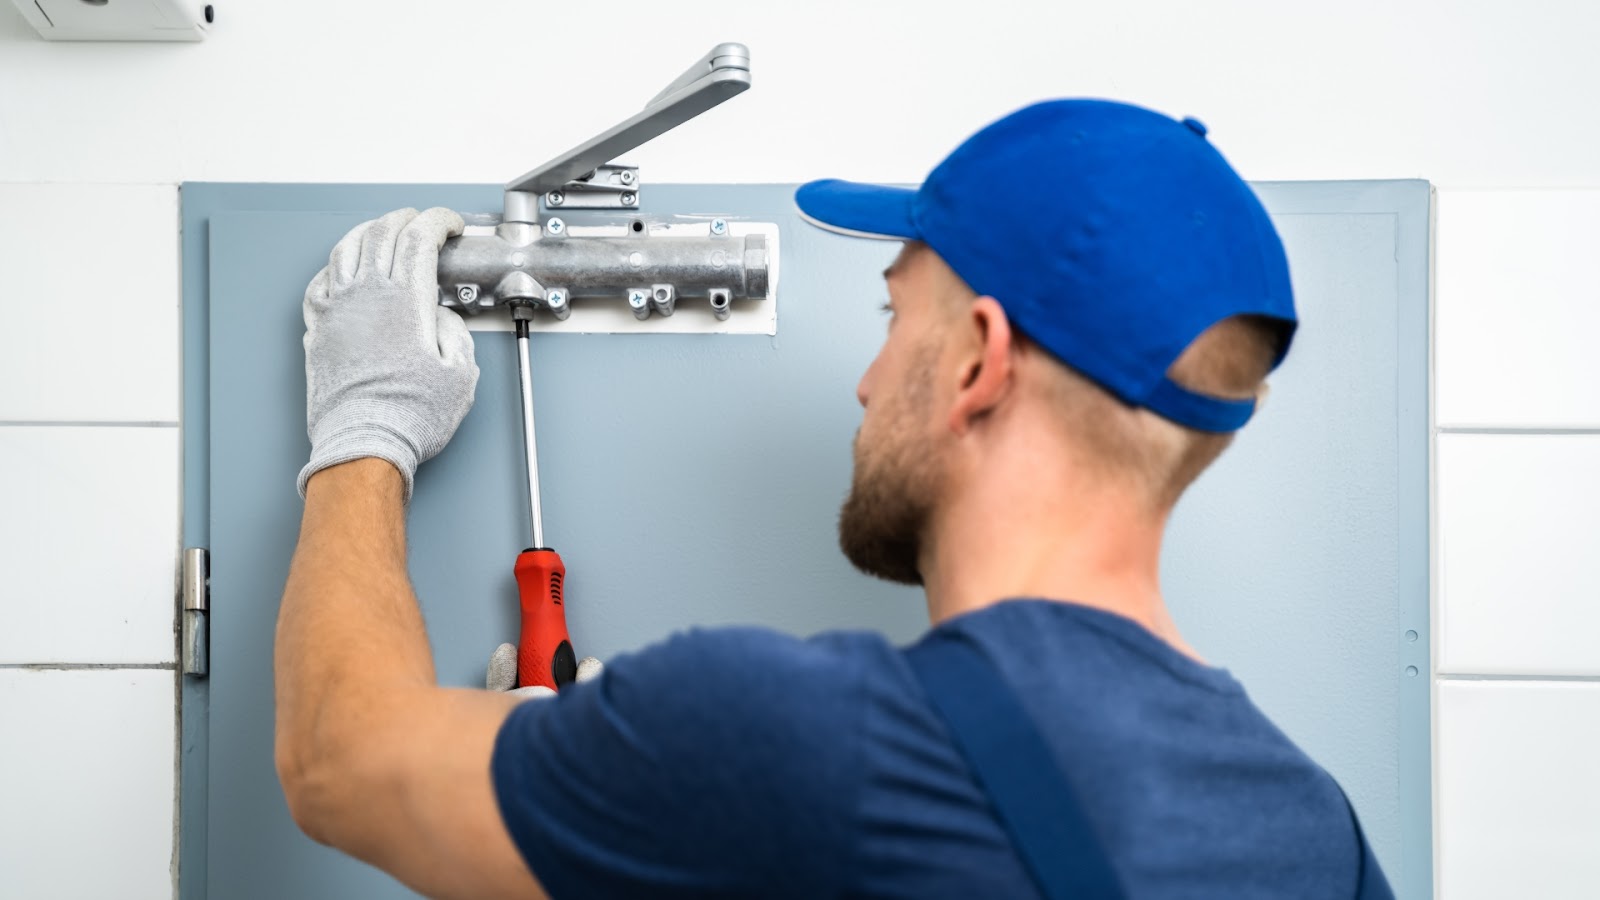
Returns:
<point x="350" y="641"/>
<point x="375" y="758"/>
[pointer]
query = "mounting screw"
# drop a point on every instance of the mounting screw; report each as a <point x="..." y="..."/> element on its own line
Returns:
<point x="629" y="198"/>
<point x="555" y="226"/>
<point x="719" y="226"/>
<point x="467" y="293"/>
<point x="555" y="300"/>
<point x="640" y="303"/>
<point x="555" y="198"/>
<point x="627" y="177"/>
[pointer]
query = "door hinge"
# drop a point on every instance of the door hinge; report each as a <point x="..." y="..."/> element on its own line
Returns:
<point x="196" y="597"/>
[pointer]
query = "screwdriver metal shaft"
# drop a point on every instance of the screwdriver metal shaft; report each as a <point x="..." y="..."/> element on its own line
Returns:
<point x="544" y="651"/>
<point x="531" y="452"/>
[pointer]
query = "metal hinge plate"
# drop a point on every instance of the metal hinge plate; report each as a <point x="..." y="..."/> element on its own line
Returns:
<point x="196" y="598"/>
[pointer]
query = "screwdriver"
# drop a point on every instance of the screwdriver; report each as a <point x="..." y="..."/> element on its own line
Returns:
<point x="544" y="652"/>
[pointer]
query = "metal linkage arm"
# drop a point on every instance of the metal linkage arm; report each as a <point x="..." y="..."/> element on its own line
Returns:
<point x="720" y="74"/>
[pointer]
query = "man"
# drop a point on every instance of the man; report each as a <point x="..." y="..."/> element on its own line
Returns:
<point x="1061" y="363"/>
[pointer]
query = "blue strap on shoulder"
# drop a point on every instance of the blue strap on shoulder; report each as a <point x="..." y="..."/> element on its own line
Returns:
<point x="1013" y="765"/>
<point x="1031" y="797"/>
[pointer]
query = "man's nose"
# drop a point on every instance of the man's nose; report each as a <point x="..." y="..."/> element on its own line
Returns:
<point x="863" y="387"/>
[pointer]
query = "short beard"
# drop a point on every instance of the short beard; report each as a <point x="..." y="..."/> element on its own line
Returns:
<point x="884" y="519"/>
<point x="882" y="522"/>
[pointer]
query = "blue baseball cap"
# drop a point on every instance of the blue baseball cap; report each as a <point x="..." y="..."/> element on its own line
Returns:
<point x="1113" y="236"/>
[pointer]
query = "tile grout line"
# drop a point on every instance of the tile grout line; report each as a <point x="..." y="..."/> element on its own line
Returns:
<point x="1525" y="679"/>
<point x="1531" y="430"/>
<point x="29" y="423"/>
<point x="86" y="667"/>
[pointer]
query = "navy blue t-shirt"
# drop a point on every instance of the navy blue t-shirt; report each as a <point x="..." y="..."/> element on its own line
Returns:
<point x="748" y="763"/>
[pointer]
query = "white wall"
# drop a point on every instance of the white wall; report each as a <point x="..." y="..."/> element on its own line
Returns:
<point x="89" y="481"/>
<point x="1518" y="485"/>
<point x="1472" y="94"/>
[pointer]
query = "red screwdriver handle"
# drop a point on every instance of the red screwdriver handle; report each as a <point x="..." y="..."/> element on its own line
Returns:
<point x="544" y="652"/>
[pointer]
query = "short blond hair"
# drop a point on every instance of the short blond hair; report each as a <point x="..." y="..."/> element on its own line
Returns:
<point x="1158" y="457"/>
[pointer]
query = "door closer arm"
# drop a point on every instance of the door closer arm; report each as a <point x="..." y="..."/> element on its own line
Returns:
<point x="533" y="261"/>
<point x="582" y="175"/>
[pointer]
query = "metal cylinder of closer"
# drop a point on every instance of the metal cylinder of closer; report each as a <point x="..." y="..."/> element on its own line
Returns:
<point x="588" y="267"/>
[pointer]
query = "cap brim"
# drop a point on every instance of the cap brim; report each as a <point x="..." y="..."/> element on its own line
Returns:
<point x="859" y="210"/>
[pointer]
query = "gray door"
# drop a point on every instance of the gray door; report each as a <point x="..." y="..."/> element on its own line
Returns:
<point x="695" y="479"/>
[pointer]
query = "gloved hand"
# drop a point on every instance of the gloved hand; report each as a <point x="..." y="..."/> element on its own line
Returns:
<point x="503" y="673"/>
<point x="389" y="372"/>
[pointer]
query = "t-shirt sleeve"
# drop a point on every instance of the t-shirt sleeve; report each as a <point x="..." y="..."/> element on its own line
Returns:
<point x="717" y="763"/>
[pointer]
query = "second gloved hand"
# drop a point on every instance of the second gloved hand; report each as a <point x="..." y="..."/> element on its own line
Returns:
<point x="503" y="673"/>
<point x="389" y="372"/>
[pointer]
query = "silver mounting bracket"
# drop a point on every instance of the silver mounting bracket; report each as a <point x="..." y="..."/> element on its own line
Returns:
<point x="584" y="178"/>
<point x="607" y="187"/>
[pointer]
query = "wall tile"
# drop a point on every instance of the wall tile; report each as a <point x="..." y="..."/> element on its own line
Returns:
<point x="1518" y="790"/>
<point x="89" y="302"/>
<point x="1518" y="308"/>
<point x="1518" y="519"/>
<point x="88" y="544"/>
<point x="86" y="784"/>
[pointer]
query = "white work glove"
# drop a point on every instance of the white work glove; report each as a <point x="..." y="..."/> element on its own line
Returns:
<point x="503" y="673"/>
<point x="389" y="372"/>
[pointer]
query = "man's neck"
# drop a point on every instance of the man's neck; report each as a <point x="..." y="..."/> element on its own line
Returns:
<point x="1050" y="537"/>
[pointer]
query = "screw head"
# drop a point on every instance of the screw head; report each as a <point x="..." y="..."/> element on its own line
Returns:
<point x="719" y="226"/>
<point x="555" y="198"/>
<point x="467" y="293"/>
<point x="556" y="299"/>
<point x="637" y="299"/>
<point x="555" y="226"/>
<point x="627" y="177"/>
<point x="629" y="198"/>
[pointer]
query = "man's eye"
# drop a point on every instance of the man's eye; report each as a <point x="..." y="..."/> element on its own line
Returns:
<point x="887" y="308"/>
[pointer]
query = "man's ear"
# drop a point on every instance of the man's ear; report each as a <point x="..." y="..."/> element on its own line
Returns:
<point x="986" y="366"/>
